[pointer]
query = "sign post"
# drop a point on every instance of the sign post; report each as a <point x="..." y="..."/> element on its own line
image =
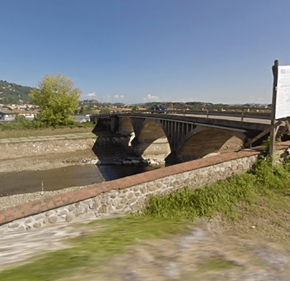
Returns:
<point x="273" y="112"/>
<point x="280" y="99"/>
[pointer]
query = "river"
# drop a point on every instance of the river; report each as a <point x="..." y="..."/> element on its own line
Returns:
<point x="55" y="179"/>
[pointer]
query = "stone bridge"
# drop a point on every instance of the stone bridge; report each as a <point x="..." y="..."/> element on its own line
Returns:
<point x="177" y="137"/>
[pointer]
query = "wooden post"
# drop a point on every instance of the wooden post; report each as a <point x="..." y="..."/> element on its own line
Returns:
<point x="273" y="131"/>
<point x="269" y="129"/>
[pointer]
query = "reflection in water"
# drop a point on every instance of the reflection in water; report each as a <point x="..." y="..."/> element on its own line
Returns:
<point x="112" y="172"/>
<point x="54" y="179"/>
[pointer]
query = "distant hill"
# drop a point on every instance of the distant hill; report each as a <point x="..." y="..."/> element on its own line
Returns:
<point x="13" y="93"/>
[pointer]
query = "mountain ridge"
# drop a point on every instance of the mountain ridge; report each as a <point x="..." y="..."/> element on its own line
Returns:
<point x="14" y="93"/>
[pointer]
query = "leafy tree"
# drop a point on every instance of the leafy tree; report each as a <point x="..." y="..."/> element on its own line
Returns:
<point x="20" y="119"/>
<point x="135" y="107"/>
<point x="58" y="99"/>
<point x="105" y="110"/>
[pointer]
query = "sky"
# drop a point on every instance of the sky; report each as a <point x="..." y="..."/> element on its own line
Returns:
<point x="136" y="51"/>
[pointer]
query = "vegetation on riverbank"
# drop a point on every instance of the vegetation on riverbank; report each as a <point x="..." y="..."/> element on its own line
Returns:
<point x="37" y="128"/>
<point x="255" y="203"/>
<point x="257" y="199"/>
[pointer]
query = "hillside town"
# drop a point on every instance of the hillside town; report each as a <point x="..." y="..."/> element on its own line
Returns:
<point x="8" y="112"/>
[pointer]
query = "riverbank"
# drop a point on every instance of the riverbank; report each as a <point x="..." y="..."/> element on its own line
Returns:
<point x="45" y="153"/>
<point x="42" y="152"/>
<point x="19" y="199"/>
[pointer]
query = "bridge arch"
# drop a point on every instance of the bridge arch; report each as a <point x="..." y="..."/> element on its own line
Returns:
<point x="152" y="141"/>
<point x="201" y="142"/>
<point x="126" y="129"/>
<point x="125" y="126"/>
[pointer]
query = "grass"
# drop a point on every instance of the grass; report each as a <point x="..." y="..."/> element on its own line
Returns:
<point x="216" y="264"/>
<point x="258" y="199"/>
<point x="91" y="251"/>
<point x="208" y="270"/>
<point x="189" y="204"/>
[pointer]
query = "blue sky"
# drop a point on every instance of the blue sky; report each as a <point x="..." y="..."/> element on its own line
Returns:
<point x="135" y="51"/>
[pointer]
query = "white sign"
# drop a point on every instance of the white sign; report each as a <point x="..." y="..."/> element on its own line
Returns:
<point x="283" y="92"/>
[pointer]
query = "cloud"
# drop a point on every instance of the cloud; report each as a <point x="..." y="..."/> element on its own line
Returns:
<point x="150" y="98"/>
<point x="118" y="97"/>
<point x="91" y="95"/>
<point x="102" y="98"/>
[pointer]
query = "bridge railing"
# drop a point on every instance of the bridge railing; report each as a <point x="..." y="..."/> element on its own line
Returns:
<point x="206" y="113"/>
<point x="241" y="114"/>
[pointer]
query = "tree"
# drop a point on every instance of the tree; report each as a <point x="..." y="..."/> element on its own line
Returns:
<point x="105" y="110"/>
<point x="58" y="99"/>
<point x="135" y="108"/>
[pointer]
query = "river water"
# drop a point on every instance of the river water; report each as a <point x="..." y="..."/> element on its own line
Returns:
<point x="54" y="179"/>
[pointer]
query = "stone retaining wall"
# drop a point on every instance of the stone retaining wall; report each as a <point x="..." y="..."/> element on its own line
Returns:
<point x="36" y="148"/>
<point x="127" y="194"/>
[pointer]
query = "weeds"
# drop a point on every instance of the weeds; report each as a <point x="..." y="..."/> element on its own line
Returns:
<point x="188" y="204"/>
<point x="22" y="123"/>
<point x="25" y="128"/>
<point x="223" y="196"/>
